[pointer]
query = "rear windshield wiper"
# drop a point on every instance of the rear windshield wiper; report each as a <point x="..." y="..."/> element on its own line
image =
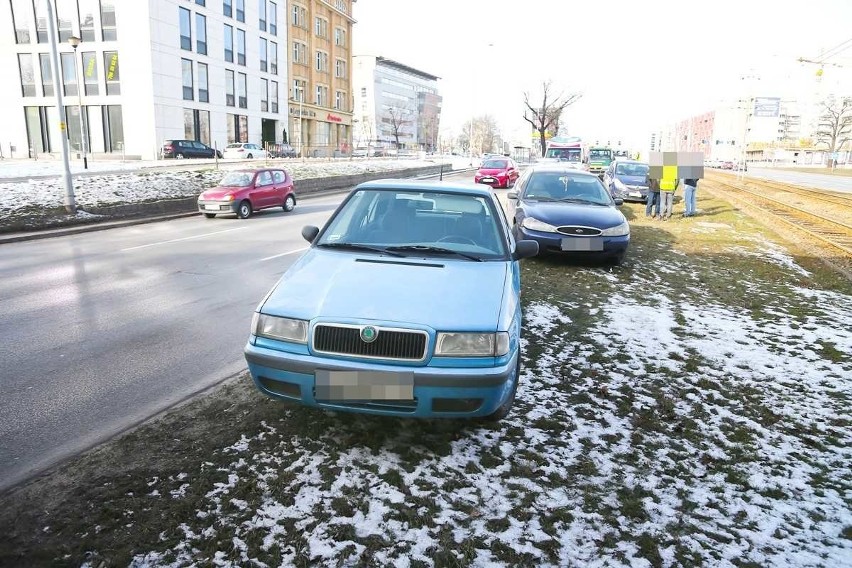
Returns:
<point x="439" y="250"/>
<point x="358" y="246"/>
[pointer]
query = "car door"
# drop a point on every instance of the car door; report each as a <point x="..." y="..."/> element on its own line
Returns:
<point x="279" y="179"/>
<point x="263" y="194"/>
<point x="203" y="150"/>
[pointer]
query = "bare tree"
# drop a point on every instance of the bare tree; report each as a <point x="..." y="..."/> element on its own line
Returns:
<point x="398" y="118"/>
<point x="366" y="132"/>
<point x="482" y="137"/>
<point x="546" y="117"/>
<point x="835" y="125"/>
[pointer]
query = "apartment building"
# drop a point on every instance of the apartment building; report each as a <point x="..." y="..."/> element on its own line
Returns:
<point x="144" y="72"/>
<point x="320" y="62"/>
<point x="397" y="106"/>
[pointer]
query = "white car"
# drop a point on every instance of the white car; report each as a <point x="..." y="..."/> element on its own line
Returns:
<point x="243" y="151"/>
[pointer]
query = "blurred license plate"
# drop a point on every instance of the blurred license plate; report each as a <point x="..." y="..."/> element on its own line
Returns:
<point x="488" y="180"/>
<point x="212" y="207"/>
<point x="582" y="244"/>
<point x="635" y="194"/>
<point x="364" y="385"/>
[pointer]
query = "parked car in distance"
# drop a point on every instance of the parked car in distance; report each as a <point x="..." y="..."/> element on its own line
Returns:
<point x="497" y="172"/>
<point x="407" y="303"/>
<point x="242" y="192"/>
<point x="282" y="151"/>
<point x="243" y="150"/>
<point x="188" y="149"/>
<point x="568" y="212"/>
<point x="627" y="179"/>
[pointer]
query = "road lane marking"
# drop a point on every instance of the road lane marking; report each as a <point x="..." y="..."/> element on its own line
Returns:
<point x="184" y="239"/>
<point x="284" y="253"/>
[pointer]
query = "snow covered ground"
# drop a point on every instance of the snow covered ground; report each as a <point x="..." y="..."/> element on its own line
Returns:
<point x="656" y="425"/>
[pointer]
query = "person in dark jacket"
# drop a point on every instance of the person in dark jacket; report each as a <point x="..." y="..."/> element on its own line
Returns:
<point x="690" y="187"/>
<point x="653" y="199"/>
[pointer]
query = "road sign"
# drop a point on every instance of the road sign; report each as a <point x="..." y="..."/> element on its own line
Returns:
<point x="767" y="107"/>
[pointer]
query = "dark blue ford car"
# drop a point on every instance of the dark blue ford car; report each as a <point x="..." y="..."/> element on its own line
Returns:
<point x="568" y="212"/>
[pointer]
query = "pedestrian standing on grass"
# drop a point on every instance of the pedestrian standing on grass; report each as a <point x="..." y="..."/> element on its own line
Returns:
<point x="689" y="188"/>
<point x="667" y="191"/>
<point x="653" y="199"/>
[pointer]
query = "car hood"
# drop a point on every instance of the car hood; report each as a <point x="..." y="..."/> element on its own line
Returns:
<point x="220" y="192"/>
<point x="490" y="171"/>
<point x="559" y="214"/>
<point x="440" y="292"/>
<point x="632" y="180"/>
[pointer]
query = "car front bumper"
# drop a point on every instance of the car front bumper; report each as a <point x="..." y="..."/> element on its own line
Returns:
<point x="218" y="207"/>
<point x="498" y="180"/>
<point x="633" y="194"/>
<point x="452" y="392"/>
<point x="552" y="243"/>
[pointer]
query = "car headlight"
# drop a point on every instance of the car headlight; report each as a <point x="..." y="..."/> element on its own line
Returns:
<point x="534" y="224"/>
<point x="617" y="231"/>
<point x="472" y="344"/>
<point x="229" y="198"/>
<point x="284" y="329"/>
<point x="619" y="185"/>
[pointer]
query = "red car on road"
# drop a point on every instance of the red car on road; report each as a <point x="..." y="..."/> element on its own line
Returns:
<point x="497" y="172"/>
<point x="243" y="192"/>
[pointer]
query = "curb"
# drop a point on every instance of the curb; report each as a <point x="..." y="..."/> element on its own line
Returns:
<point x="104" y="225"/>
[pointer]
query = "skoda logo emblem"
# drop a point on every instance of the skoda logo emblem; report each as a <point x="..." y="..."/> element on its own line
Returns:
<point x="369" y="334"/>
<point x="578" y="230"/>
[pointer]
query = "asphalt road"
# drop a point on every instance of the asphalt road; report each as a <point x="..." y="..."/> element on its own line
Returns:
<point x="806" y="179"/>
<point x="103" y="330"/>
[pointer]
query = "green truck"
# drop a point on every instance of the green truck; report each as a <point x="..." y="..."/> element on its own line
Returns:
<point x="600" y="157"/>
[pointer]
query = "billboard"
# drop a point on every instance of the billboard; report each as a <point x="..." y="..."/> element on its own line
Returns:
<point x="767" y="107"/>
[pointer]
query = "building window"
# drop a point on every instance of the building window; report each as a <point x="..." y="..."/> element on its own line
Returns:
<point x="323" y="134"/>
<point x="229" y="44"/>
<point x="273" y="58"/>
<point x="299" y="16"/>
<point x="273" y="18"/>
<point x="22" y="16"/>
<point x="69" y="74"/>
<point x="185" y="31"/>
<point x="113" y="128"/>
<point x="203" y="92"/>
<point x="200" y="34"/>
<point x="227" y="10"/>
<point x="340" y="5"/>
<point x="322" y="96"/>
<point x="300" y="53"/>
<point x="273" y="96"/>
<point x="340" y="69"/>
<point x="109" y="30"/>
<point x="189" y="124"/>
<point x="41" y="22"/>
<point x="339" y="36"/>
<point x="196" y="125"/>
<point x="88" y="8"/>
<point x="241" y="47"/>
<point x="241" y="10"/>
<point x="321" y="27"/>
<point x="242" y="90"/>
<point x="66" y="15"/>
<point x="113" y="87"/>
<point x="229" y="88"/>
<point x="262" y="54"/>
<point x="46" y="74"/>
<point x="90" y="72"/>
<point x="299" y="87"/>
<point x="237" y="128"/>
<point x="201" y="2"/>
<point x="261" y="8"/>
<point x="38" y="134"/>
<point x="340" y="100"/>
<point x="186" y="73"/>
<point x="25" y="63"/>
<point x="72" y="122"/>
<point x="322" y="61"/>
<point x="264" y="95"/>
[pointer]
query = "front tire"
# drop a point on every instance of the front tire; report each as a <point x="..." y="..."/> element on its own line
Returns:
<point x="244" y="209"/>
<point x="249" y="157"/>
<point x="289" y="203"/>
<point x="179" y="156"/>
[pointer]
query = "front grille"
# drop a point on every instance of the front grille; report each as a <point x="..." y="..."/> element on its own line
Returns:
<point x="579" y="231"/>
<point x="389" y="344"/>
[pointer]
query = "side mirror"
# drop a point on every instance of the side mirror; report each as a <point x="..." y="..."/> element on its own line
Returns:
<point x="512" y="195"/>
<point x="309" y="233"/>
<point x="525" y="249"/>
<point x="619" y="201"/>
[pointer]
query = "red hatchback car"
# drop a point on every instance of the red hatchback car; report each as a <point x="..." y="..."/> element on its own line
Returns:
<point x="497" y="172"/>
<point x="243" y="192"/>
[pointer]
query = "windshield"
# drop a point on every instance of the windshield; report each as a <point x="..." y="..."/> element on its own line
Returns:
<point x="605" y="154"/>
<point x="567" y="154"/>
<point x="237" y="179"/>
<point x="632" y="170"/>
<point x="494" y="164"/>
<point x="566" y="186"/>
<point x="394" y="218"/>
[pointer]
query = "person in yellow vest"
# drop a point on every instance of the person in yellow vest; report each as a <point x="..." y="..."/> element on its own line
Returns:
<point x="667" y="190"/>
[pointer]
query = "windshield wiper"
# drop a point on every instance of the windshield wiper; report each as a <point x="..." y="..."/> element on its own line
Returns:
<point x="359" y="246"/>
<point x="439" y="250"/>
<point x="577" y="200"/>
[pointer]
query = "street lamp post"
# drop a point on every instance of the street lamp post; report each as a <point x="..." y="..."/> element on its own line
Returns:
<point x="300" y="93"/>
<point x="70" y="200"/>
<point x="84" y="134"/>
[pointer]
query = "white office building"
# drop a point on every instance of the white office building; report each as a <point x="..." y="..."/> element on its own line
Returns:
<point x="205" y="70"/>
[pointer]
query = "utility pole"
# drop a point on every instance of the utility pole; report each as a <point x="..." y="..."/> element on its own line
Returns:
<point x="84" y="131"/>
<point x="70" y="202"/>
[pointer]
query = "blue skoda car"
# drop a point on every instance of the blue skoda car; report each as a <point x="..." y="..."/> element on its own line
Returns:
<point x="570" y="213"/>
<point x="407" y="303"/>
